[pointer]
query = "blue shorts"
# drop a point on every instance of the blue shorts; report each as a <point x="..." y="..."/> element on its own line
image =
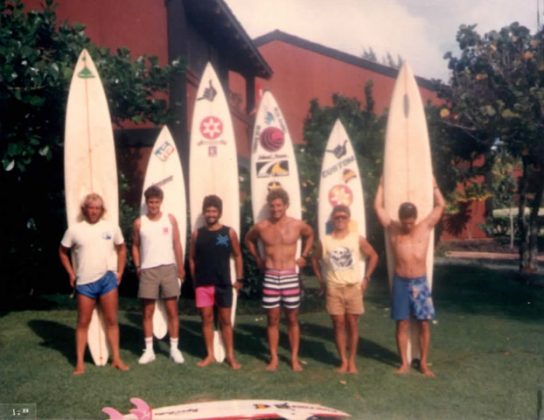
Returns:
<point x="100" y="287"/>
<point x="411" y="298"/>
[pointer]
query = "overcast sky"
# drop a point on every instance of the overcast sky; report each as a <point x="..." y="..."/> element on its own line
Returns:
<point x="420" y="31"/>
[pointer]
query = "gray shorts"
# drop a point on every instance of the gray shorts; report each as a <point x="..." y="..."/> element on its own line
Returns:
<point x="159" y="282"/>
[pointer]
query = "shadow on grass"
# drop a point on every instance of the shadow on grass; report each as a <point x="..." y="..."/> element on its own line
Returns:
<point x="56" y="336"/>
<point x="476" y="288"/>
<point x="252" y="341"/>
<point x="59" y="337"/>
<point x="366" y="348"/>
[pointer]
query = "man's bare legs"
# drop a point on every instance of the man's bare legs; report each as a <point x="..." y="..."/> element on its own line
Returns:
<point x="273" y="334"/>
<point x="339" y="323"/>
<point x="147" y="317"/>
<point x="353" y="341"/>
<point x="293" y="331"/>
<point x="109" y="305"/>
<point x="207" y="332"/>
<point x="424" y="342"/>
<point x="403" y="329"/>
<point x="85" y="306"/>
<point x="171" y="305"/>
<point x="228" y="336"/>
<point x="346" y="334"/>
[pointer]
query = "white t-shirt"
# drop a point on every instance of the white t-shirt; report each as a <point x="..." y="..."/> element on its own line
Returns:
<point x="157" y="242"/>
<point x="93" y="246"/>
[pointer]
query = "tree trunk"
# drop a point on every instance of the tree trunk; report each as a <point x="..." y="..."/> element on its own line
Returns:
<point x="529" y="224"/>
<point x="534" y="226"/>
<point x="523" y="224"/>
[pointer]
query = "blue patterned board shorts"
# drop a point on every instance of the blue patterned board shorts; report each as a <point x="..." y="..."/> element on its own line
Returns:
<point x="411" y="297"/>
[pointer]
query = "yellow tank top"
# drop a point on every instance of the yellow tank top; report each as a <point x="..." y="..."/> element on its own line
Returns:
<point x="341" y="260"/>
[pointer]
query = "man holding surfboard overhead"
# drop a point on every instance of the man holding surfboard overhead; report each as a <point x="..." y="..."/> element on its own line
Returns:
<point x="158" y="258"/>
<point x="411" y="294"/>
<point x="336" y="264"/>
<point x="96" y="277"/>
<point x="279" y="235"/>
<point x="212" y="246"/>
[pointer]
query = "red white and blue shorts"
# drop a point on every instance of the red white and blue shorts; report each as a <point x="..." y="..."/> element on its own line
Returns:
<point x="281" y="288"/>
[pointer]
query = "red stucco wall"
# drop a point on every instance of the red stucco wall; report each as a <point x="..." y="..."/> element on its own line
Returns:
<point x="301" y="75"/>
<point x="139" y="25"/>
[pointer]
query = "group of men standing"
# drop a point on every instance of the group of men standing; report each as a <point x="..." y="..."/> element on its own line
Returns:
<point x="158" y="258"/>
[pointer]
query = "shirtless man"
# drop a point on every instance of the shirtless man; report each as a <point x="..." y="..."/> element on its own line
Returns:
<point x="279" y="235"/>
<point x="411" y="296"/>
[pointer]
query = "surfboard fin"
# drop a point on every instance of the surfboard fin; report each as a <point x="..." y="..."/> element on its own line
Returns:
<point x="113" y="413"/>
<point x="142" y="410"/>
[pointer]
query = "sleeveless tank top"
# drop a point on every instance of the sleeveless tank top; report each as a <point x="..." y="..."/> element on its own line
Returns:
<point x="213" y="249"/>
<point x="341" y="260"/>
<point x="156" y="239"/>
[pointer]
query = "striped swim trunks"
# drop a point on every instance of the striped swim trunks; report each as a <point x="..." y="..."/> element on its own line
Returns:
<point x="281" y="287"/>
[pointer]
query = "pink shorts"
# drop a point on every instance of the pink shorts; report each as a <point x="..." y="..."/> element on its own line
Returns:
<point x="206" y="296"/>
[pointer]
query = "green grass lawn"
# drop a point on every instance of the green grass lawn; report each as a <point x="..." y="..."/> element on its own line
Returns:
<point x="487" y="352"/>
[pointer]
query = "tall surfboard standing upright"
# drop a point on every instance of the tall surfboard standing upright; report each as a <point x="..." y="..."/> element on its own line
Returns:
<point x="164" y="170"/>
<point x="90" y="165"/>
<point x="340" y="183"/>
<point x="273" y="163"/>
<point x="213" y="165"/>
<point x="408" y="174"/>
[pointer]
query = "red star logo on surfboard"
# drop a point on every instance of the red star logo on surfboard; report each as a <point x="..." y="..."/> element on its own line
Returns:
<point x="211" y="127"/>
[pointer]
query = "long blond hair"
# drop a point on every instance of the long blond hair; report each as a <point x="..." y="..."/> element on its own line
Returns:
<point x="91" y="198"/>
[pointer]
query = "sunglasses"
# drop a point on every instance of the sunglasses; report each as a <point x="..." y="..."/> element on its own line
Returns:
<point x="340" y="217"/>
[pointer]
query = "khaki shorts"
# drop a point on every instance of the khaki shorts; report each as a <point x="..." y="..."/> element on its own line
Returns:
<point x="342" y="300"/>
<point x="159" y="282"/>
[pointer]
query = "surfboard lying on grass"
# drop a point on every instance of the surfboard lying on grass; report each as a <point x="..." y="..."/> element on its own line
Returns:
<point x="164" y="170"/>
<point x="213" y="166"/>
<point x="232" y="409"/>
<point x="408" y="174"/>
<point x="90" y="166"/>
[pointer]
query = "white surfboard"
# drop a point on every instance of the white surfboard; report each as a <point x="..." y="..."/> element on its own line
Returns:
<point x="408" y="171"/>
<point x="164" y="170"/>
<point x="213" y="165"/>
<point x="232" y="409"/>
<point x="89" y="164"/>
<point x="273" y="163"/>
<point x="340" y="183"/>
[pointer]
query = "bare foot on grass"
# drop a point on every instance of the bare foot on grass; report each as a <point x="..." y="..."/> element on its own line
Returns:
<point x="79" y="370"/>
<point x="272" y="366"/>
<point x="424" y="369"/>
<point x="352" y="368"/>
<point x="343" y="368"/>
<point x="403" y="370"/>
<point x="119" y="365"/>
<point x="296" y="366"/>
<point x="233" y="363"/>
<point x="206" y="361"/>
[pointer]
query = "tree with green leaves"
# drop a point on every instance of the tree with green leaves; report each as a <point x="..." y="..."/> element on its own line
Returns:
<point x="37" y="57"/>
<point x="496" y="93"/>
<point x="366" y="132"/>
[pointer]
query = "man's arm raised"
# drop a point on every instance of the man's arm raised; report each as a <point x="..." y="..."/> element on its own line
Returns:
<point x="382" y="214"/>
<point x="439" y="205"/>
